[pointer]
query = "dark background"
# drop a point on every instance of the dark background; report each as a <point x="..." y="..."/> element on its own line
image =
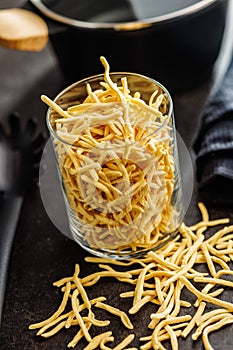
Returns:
<point x="40" y="253"/>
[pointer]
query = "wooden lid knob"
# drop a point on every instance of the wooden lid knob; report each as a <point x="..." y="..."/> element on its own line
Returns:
<point x="22" y="30"/>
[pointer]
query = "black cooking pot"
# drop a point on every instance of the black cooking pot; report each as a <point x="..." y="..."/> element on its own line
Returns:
<point x="174" y="41"/>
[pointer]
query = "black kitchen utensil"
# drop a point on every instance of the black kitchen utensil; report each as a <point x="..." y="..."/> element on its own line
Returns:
<point x="20" y="153"/>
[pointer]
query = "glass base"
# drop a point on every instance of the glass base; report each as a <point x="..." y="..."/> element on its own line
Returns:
<point x="126" y="254"/>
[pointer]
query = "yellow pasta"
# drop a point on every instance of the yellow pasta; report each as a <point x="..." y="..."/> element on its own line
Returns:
<point x="78" y="337"/>
<point x="210" y="320"/>
<point x="124" y="343"/>
<point x="57" y="313"/>
<point x="78" y="316"/>
<point x="194" y="320"/>
<point x="123" y="316"/>
<point x="139" y="285"/>
<point x="151" y="281"/>
<point x="80" y="287"/>
<point x="224" y="321"/>
<point x="54" y="322"/>
<point x="117" y="164"/>
<point x="94" y="343"/>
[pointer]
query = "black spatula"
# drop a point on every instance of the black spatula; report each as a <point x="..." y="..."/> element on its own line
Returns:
<point x="20" y="153"/>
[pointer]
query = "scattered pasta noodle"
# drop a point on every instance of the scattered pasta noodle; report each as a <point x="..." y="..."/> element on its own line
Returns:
<point x="116" y="155"/>
<point x="158" y="279"/>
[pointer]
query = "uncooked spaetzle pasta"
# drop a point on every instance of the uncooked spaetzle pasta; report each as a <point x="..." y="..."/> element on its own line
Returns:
<point x="149" y="281"/>
<point x="115" y="144"/>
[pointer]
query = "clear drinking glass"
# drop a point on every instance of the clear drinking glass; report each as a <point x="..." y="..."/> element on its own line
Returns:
<point x="118" y="165"/>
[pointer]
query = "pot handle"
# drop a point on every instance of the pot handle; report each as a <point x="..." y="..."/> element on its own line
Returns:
<point x="24" y="30"/>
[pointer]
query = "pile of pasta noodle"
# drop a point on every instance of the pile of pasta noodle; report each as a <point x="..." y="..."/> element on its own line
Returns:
<point x="116" y="155"/>
<point x="158" y="279"/>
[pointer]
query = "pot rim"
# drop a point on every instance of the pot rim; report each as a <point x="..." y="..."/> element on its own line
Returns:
<point x="124" y="26"/>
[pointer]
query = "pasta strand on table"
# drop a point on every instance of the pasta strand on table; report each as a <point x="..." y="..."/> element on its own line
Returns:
<point x="151" y="287"/>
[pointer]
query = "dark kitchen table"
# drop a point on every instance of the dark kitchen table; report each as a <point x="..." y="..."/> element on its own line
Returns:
<point x="40" y="253"/>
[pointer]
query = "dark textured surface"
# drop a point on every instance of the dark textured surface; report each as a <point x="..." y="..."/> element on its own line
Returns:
<point x="41" y="254"/>
<point x="214" y="144"/>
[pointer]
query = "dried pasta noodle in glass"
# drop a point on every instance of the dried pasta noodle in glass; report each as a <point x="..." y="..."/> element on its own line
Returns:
<point x="115" y="144"/>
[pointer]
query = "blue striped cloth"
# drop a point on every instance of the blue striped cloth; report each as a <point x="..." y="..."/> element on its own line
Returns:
<point x="214" y="144"/>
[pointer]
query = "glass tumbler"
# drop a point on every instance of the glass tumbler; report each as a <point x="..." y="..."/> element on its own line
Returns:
<point x="117" y="160"/>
